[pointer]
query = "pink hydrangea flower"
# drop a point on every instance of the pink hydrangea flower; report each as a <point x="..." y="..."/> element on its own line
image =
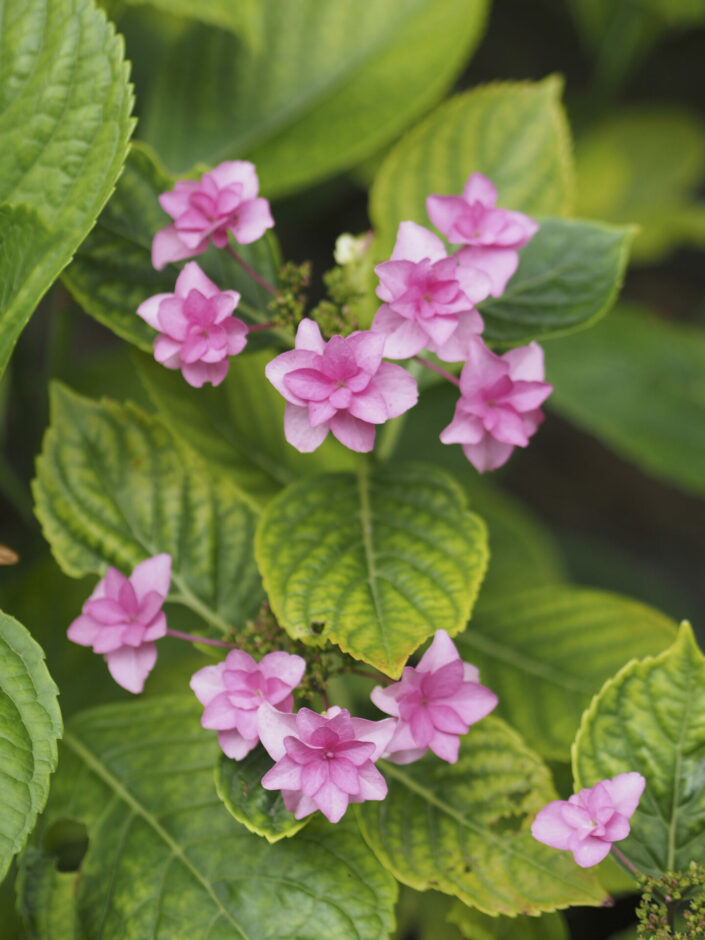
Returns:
<point x="197" y="332"/>
<point x="588" y="822"/>
<point x="499" y="405"/>
<point x="224" y="200"/>
<point x="123" y="617"/>
<point x="323" y="761"/>
<point x="340" y="386"/>
<point x="234" y="690"/>
<point x="434" y="703"/>
<point x="428" y="298"/>
<point x="491" y="236"/>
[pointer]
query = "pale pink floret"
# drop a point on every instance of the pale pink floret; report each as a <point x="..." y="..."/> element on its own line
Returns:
<point x="123" y="617"/>
<point x="499" y="404"/>
<point x="589" y="822"/>
<point x="340" y="386"/>
<point x="429" y="299"/>
<point x="224" y="200"/>
<point x="197" y="332"/>
<point x="491" y="236"/>
<point x="324" y="761"/>
<point x="435" y="702"/>
<point x="234" y="690"/>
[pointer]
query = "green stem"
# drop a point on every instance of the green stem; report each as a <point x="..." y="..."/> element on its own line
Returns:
<point x="16" y="493"/>
<point x="189" y="599"/>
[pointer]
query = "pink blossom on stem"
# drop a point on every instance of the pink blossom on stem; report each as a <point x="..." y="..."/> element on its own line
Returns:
<point x="233" y="692"/>
<point x="323" y="761"/>
<point x="429" y="299"/>
<point x="499" y="403"/>
<point x="340" y="386"/>
<point x="434" y="703"/>
<point x="123" y="617"/>
<point x="197" y="332"/>
<point x="588" y="822"/>
<point x="491" y="236"/>
<point x="224" y="200"/>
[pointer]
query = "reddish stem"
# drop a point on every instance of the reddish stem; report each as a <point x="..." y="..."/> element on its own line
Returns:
<point x="625" y="861"/>
<point x="251" y="271"/>
<point x="253" y="327"/>
<point x="366" y="674"/>
<point x="438" y="370"/>
<point x="198" y="639"/>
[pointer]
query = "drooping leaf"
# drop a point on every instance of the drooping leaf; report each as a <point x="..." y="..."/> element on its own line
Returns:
<point x="464" y="828"/>
<point x="477" y="926"/>
<point x="65" y="122"/>
<point x="375" y="562"/>
<point x="46" y="898"/>
<point x="244" y="18"/>
<point x="259" y="810"/>
<point x="547" y="651"/>
<point x="163" y="848"/>
<point x="515" y="133"/>
<point x="636" y="383"/>
<point x="239" y="426"/>
<point x="328" y="85"/>
<point x="30" y="725"/>
<point x="112" y="272"/>
<point x="642" y="166"/>
<point x="113" y="487"/>
<point x="650" y="718"/>
<point x="568" y="277"/>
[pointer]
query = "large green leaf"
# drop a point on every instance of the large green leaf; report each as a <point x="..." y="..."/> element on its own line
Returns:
<point x="243" y="17"/>
<point x="64" y="122"/>
<point x="166" y="861"/>
<point x="112" y="272"/>
<point x="238" y="427"/>
<point x="636" y="382"/>
<point x="114" y="487"/>
<point x="46" y="898"/>
<point x="464" y="828"/>
<point x="651" y="718"/>
<point x="515" y="133"/>
<point x="642" y="166"/>
<point x="375" y="562"/>
<point x="328" y="85"/>
<point x="30" y="724"/>
<point x="546" y="652"/>
<point x="568" y="276"/>
<point x="477" y="926"/>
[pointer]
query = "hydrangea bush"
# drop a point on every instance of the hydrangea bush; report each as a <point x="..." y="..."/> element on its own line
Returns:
<point x="373" y="687"/>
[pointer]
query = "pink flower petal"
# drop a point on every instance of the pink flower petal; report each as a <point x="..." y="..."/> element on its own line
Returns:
<point x="167" y="351"/>
<point x="489" y="454"/>
<point x="550" y="826"/>
<point x="406" y="340"/>
<point x="237" y="171"/>
<point x="385" y="699"/>
<point x="207" y="683"/>
<point x="331" y="801"/>
<point x="369" y="405"/>
<point x="298" y="430"/>
<point x="590" y="852"/>
<point x="353" y="433"/>
<point x="479" y="188"/>
<point x="526" y="363"/>
<point x="414" y="243"/>
<point x="273" y="726"/>
<point x="279" y="367"/>
<point x="84" y="630"/>
<point x="372" y="784"/>
<point x="441" y="652"/>
<point x="313" y="775"/>
<point x="625" y="791"/>
<point x="168" y="246"/>
<point x="252" y="221"/>
<point x="152" y="574"/>
<point x="219" y="713"/>
<point x="398" y="387"/>
<point x="149" y="309"/>
<point x="234" y="745"/>
<point x="499" y="264"/>
<point x="445" y="746"/>
<point x="308" y="337"/>
<point x="129" y="667"/>
<point x="444" y="212"/>
<point x="285" y="775"/>
<point x="191" y="278"/>
<point x="344" y="775"/>
<point x="285" y="666"/>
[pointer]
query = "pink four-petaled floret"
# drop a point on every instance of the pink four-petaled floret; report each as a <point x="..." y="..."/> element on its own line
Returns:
<point x="434" y="703"/>
<point x="588" y="822"/>
<point x="499" y="405"/>
<point x="233" y="692"/>
<point x="340" y="386"/>
<point x="197" y="331"/>
<point x="429" y="299"/>
<point x="491" y="237"/>
<point x="224" y="200"/>
<point x="324" y="761"/>
<point x="123" y="617"/>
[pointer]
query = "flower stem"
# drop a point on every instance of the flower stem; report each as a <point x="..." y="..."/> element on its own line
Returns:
<point x="366" y="673"/>
<point x="198" y="639"/>
<point x="438" y="370"/>
<point x="253" y="327"/>
<point x="625" y="861"/>
<point x="251" y="271"/>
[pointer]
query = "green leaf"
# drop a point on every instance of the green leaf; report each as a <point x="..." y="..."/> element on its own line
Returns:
<point x="329" y="85"/>
<point x="238" y="427"/>
<point x="46" y="897"/>
<point x="642" y="166"/>
<point x="464" y="828"/>
<point x="547" y="651"/>
<point x="477" y="926"/>
<point x="375" y="563"/>
<point x="650" y="718"/>
<point x="64" y="121"/>
<point x="568" y="277"/>
<point x="515" y="133"/>
<point x="244" y="18"/>
<point x="166" y="861"/>
<point x="636" y="383"/>
<point x="259" y="810"/>
<point x="113" y="487"/>
<point x="30" y="724"/>
<point x="112" y="272"/>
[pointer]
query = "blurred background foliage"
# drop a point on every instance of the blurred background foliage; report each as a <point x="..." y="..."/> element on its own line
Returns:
<point x="316" y="93"/>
